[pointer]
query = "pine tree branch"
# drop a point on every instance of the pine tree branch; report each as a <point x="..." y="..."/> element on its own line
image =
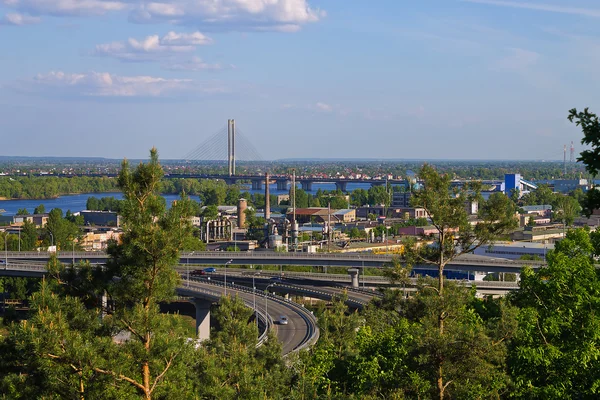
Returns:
<point x="160" y="376"/>
<point x="121" y="377"/>
<point x="132" y="330"/>
<point x="447" y="383"/>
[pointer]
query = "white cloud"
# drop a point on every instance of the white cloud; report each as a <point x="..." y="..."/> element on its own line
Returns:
<point x="152" y="47"/>
<point x="280" y="15"/>
<point x="195" y="64"/>
<point x="324" y="107"/>
<point x="66" y="7"/>
<point x="517" y="60"/>
<point x="588" y="12"/>
<point x="185" y="39"/>
<point x="104" y="84"/>
<point x="19" y="19"/>
<point x="241" y="15"/>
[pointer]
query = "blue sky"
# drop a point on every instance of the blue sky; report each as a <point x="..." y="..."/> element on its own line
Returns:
<point x="451" y="79"/>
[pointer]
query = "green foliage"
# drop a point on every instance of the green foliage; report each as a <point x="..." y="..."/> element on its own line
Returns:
<point x="59" y="230"/>
<point x="554" y="353"/>
<point x="255" y="225"/>
<point x="566" y="209"/>
<point x="66" y="350"/>
<point x="590" y="126"/>
<point x="210" y="213"/>
<point x="355" y="233"/>
<point x="379" y="195"/>
<point x="359" y="197"/>
<point x="29" y="236"/>
<point x="103" y="204"/>
<point x="47" y="187"/>
<point x="231" y="367"/>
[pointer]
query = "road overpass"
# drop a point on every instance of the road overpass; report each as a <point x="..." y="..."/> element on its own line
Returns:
<point x="350" y="260"/>
<point x="257" y="181"/>
<point x="301" y="331"/>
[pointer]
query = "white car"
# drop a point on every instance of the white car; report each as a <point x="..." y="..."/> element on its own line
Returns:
<point x="283" y="320"/>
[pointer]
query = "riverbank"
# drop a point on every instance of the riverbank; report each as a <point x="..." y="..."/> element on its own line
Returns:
<point x="89" y="194"/>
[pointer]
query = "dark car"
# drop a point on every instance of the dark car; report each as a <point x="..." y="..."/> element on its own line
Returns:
<point x="277" y="279"/>
<point x="210" y="269"/>
<point x="198" y="272"/>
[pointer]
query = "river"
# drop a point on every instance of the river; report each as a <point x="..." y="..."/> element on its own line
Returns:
<point x="77" y="202"/>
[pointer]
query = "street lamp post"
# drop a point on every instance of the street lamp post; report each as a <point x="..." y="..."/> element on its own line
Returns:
<point x="73" y="253"/>
<point x="187" y="267"/>
<point x="19" y="238"/>
<point x="52" y="239"/>
<point x="254" y="297"/>
<point x="363" y="271"/>
<point x="5" y="250"/>
<point x="226" y="264"/>
<point x="267" y="300"/>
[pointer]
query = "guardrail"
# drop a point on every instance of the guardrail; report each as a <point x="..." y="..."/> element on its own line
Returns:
<point x="330" y="295"/>
<point x="266" y="319"/>
<point x="312" y="334"/>
<point x="469" y="259"/>
<point x="369" y="292"/>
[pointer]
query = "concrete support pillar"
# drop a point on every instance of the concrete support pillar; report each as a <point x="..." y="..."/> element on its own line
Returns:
<point x="306" y="186"/>
<point x="282" y="184"/>
<point x="353" y="272"/>
<point x="104" y="302"/>
<point x="343" y="186"/>
<point x="257" y="185"/>
<point x="202" y="318"/>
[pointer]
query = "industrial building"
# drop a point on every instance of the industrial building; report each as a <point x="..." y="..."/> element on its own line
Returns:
<point x="515" y="251"/>
<point x="101" y="218"/>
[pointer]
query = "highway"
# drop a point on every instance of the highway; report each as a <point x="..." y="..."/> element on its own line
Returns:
<point x="300" y="332"/>
<point x="317" y="289"/>
<point x="367" y="260"/>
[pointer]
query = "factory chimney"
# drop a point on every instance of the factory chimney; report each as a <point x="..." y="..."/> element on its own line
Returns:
<point x="241" y="208"/>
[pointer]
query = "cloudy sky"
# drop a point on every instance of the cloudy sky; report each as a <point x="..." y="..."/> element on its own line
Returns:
<point x="452" y="79"/>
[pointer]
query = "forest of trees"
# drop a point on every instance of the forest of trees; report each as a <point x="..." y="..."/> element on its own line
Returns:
<point x="21" y="187"/>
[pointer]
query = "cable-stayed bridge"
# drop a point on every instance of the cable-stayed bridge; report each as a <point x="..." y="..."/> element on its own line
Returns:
<point x="228" y="143"/>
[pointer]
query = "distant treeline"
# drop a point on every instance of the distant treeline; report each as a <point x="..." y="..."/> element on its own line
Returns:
<point x="50" y="187"/>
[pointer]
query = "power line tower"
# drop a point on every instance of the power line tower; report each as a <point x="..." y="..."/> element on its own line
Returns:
<point x="565" y="161"/>
<point x="572" y="153"/>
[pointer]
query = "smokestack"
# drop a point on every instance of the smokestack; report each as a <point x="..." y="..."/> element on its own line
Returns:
<point x="233" y="146"/>
<point x="293" y="195"/>
<point x="229" y="146"/>
<point x="242" y="206"/>
<point x="267" y="198"/>
<point x="565" y="161"/>
<point x="572" y="152"/>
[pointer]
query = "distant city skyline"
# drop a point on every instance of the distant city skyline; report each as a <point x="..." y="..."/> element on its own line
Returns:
<point x="304" y="79"/>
